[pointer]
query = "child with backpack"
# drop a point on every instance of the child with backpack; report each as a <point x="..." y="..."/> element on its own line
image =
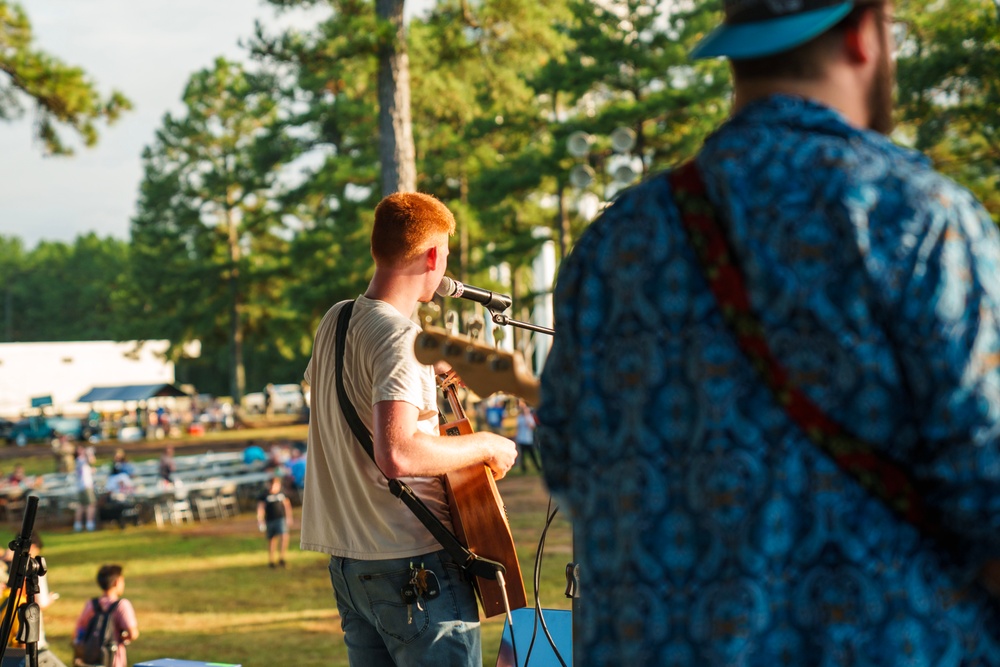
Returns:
<point x="106" y="624"/>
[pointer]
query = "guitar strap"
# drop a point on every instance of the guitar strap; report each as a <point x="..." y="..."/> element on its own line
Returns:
<point x="880" y="476"/>
<point x="470" y="562"/>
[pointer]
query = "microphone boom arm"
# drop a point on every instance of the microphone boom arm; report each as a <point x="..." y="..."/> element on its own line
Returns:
<point x="503" y="320"/>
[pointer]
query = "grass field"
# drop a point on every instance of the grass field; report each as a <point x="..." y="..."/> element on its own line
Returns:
<point x="204" y="592"/>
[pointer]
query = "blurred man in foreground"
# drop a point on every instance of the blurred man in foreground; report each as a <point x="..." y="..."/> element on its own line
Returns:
<point x="712" y="529"/>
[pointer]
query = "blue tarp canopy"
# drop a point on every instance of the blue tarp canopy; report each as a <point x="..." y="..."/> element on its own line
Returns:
<point x="130" y="392"/>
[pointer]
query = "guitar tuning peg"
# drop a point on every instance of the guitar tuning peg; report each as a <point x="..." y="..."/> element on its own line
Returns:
<point x="474" y="356"/>
<point x="499" y="364"/>
<point x="474" y="325"/>
<point x="426" y="342"/>
<point x="498" y="336"/>
<point x="451" y="322"/>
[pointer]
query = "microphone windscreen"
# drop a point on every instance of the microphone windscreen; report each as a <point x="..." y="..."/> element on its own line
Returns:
<point x="446" y="287"/>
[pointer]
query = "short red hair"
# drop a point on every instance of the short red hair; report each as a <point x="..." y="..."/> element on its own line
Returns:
<point x="407" y="224"/>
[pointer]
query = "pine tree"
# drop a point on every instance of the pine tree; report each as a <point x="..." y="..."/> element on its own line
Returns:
<point x="63" y="95"/>
<point x="208" y="246"/>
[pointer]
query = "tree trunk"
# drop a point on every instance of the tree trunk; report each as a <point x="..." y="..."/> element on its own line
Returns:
<point x="237" y="377"/>
<point x="396" y="150"/>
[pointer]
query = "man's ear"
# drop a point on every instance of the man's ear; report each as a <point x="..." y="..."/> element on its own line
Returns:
<point x="861" y="37"/>
<point x="433" y="257"/>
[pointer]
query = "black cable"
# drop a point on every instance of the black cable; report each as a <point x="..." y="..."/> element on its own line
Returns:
<point x="540" y="616"/>
<point x="513" y="642"/>
<point x="537" y="578"/>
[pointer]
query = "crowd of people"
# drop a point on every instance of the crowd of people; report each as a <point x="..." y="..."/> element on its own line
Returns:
<point x="285" y="461"/>
<point x="158" y="422"/>
<point x="111" y="500"/>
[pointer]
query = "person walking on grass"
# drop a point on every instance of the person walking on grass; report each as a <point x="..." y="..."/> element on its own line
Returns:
<point x="274" y="516"/>
<point x="86" y="507"/>
<point x="525" y="436"/>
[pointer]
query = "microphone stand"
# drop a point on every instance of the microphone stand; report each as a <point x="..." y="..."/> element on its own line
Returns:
<point x="23" y="569"/>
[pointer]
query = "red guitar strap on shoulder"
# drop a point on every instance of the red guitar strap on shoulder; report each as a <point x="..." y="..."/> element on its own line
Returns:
<point x="880" y="476"/>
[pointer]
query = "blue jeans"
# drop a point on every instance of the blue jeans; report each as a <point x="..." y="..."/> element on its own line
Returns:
<point x="380" y="630"/>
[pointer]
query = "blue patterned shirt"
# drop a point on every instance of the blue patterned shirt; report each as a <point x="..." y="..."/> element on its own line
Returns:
<point x="710" y="529"/>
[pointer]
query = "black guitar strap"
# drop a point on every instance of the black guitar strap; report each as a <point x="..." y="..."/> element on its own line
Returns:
<point x="470" y="562"/>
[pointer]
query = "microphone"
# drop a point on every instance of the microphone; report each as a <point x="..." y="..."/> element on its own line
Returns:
<point x="493" y="301"/>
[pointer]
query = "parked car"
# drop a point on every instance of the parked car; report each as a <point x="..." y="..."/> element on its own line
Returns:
<point x="284" y="398"/>
<point x="6" y="428"/>
<point x="39" y="428"/>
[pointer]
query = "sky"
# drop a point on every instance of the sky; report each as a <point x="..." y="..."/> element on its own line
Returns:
<point x="147" y="49"/>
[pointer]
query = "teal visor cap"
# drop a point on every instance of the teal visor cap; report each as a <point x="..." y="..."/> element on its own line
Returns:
<point x="741" y="41"/>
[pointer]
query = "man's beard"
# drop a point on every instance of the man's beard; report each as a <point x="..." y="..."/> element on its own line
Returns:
<point x="880" y="102"/>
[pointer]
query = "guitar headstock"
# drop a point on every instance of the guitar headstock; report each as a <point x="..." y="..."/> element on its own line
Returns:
<point x="484" y="369"/>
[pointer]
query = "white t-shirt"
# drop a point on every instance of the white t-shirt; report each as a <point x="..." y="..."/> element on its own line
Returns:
<point x="525" y="428"/>
<point x="84" y="473"/>
<point x="347" y="508"/>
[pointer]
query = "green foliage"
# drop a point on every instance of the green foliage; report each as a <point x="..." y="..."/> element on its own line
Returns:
<point x="58" y="288"/>
<point x="63" y="95"/>
<point x="474" y="112"/>
<point x="331" y="97"/>
<point x="622" y="64"/>
<point x="949" y="90"/>
<point x="209" y="253"/>
<point x="255" y="209"/>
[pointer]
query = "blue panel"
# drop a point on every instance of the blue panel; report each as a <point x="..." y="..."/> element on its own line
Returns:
<point x="171" y="662"/>
<point x="560" y="625"/>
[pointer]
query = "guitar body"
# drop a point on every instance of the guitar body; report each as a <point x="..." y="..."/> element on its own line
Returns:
<point x="480" y="522"/>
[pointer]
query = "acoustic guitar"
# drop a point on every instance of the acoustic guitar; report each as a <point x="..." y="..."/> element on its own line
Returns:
<point x="477" y="510"/>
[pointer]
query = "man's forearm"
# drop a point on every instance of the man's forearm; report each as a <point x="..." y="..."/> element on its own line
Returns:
<point x="425" y="455"/>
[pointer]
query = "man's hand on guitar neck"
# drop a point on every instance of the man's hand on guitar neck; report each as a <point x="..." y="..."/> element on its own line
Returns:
<point x="442" y="367"/>
<point x="447" y="376"/>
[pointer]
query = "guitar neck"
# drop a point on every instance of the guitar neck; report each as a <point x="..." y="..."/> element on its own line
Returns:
<point x="483" y="369"/>
<point x="450" y="391"/>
